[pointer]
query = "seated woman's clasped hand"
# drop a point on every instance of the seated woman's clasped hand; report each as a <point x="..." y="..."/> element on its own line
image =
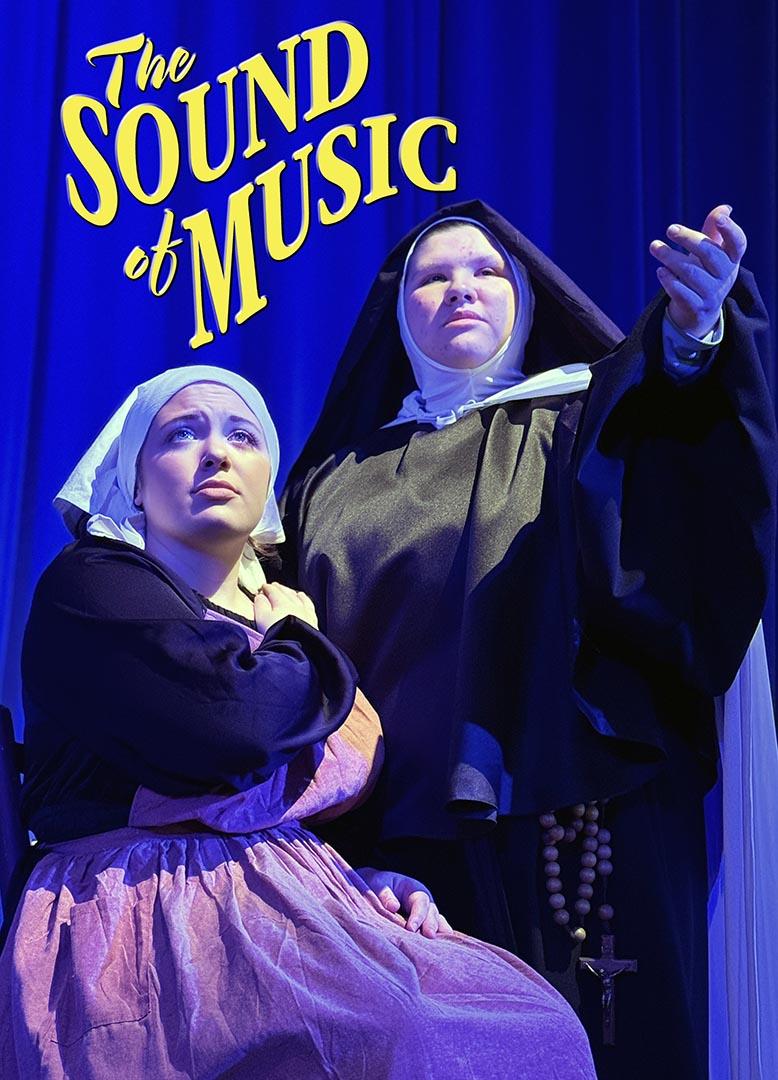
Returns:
<point x="274" y="602"/>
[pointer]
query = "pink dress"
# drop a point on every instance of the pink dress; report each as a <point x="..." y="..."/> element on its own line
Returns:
<point x="216" y="936"/>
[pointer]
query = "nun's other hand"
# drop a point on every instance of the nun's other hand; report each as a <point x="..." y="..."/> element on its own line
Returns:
<point x="698" y="278"/>
<point x="405" y="896"/>
<point x="274" y="602"/>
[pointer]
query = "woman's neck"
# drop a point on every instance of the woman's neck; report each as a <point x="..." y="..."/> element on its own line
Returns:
<point x="213" y="574"/>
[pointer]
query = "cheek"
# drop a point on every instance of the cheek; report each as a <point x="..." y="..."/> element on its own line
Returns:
<point x="418" y="314"/>
<point x="258" y="477"/>
<point x="505" y="310"/>
<point x="166" y="479"/>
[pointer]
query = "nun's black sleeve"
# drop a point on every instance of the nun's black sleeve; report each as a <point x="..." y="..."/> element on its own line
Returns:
<point x="118" y="657"/>
<point x="674" y="501"/>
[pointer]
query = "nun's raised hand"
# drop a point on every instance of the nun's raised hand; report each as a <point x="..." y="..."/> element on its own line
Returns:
<point x="698" y="278"/>
<point x="405" y="896"/>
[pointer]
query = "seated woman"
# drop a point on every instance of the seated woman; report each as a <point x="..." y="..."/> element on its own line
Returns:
<point x="184" y="720"/>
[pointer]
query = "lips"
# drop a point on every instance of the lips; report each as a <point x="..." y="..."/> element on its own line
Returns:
<point x="465" y="315"/>
<point x="214" y="487"/>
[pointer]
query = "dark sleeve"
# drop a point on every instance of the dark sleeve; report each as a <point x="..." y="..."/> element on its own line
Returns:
<point x="119" y="658"/>
<point x="674" y="499"/>
<point x="292" y="508"/>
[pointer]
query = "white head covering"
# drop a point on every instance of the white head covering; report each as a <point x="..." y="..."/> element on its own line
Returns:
<point x="444" y="393"/>
<point x="103" y="483"/>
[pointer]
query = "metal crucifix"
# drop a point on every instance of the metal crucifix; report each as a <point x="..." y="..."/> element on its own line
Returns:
<point x="606" y="967"/>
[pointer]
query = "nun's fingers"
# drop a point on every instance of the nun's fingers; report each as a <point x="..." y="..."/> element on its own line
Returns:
<point x="696" y="289"/>
<point x="686" y="268"/>
<point x="709" y="263"/>
<point x="701" y="253"/>
<point x="687" y="308"/>
<point x="724" y="231"/>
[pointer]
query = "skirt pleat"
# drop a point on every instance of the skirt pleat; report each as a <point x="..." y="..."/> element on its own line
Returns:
<point x="172" y="955"/>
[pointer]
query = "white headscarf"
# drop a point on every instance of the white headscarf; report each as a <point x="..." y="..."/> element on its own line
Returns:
<point x="444" y="393"/>
<point x="103" y="483"/>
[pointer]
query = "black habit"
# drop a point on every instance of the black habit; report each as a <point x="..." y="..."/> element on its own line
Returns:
<point x="542" y="601"/>
<point x="126" y="683"/>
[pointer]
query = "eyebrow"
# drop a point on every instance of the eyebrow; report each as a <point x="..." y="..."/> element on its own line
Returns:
<point x="244" y="420"/>
<point x="184" y="416"/>
<point x="423" y="267"/>
<point x="201" y="416"/>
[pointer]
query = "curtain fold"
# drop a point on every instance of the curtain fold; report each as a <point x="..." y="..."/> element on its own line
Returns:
<point x="593" y="126"/>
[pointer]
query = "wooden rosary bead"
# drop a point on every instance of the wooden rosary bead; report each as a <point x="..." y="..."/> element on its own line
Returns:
<point x="595" y="859"/>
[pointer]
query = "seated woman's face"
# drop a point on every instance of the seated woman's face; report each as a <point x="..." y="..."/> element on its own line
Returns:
<point x="203" y="470"/>
<point x="460" y="297"/>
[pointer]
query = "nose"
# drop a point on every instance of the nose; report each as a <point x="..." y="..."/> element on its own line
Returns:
<point x="216" y="453"/>
<point x="460" y="288"/>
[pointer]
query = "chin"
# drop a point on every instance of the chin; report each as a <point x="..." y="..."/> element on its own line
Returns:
<point x="212" y="524"/>
<point x="467" y="349"/>
<point x="463" y="360"/>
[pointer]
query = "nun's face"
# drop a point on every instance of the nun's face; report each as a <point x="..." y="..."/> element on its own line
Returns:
<point x="460" y="297"/>
<point x="203" y="470"/>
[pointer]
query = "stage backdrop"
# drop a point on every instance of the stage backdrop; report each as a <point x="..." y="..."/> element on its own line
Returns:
<point x="590" y="125"/>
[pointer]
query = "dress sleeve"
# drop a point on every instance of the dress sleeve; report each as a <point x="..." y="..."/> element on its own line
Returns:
<point x="674" y="500"/>
<point x="118" y="656"/>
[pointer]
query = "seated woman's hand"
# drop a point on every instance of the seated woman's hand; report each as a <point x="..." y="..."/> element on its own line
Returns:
<point x="274" y="602"/>
<point x="406" y="896"/>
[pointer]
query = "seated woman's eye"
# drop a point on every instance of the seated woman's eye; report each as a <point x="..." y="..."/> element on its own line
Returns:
<point x="240" y="435"/>
<point x="179" y="434"/>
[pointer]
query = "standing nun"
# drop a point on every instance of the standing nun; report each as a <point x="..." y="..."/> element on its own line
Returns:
<point x="545" y="575"/>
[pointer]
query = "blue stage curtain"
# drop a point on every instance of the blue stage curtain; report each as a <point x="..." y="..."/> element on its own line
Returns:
<point x="591" y="126"/>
